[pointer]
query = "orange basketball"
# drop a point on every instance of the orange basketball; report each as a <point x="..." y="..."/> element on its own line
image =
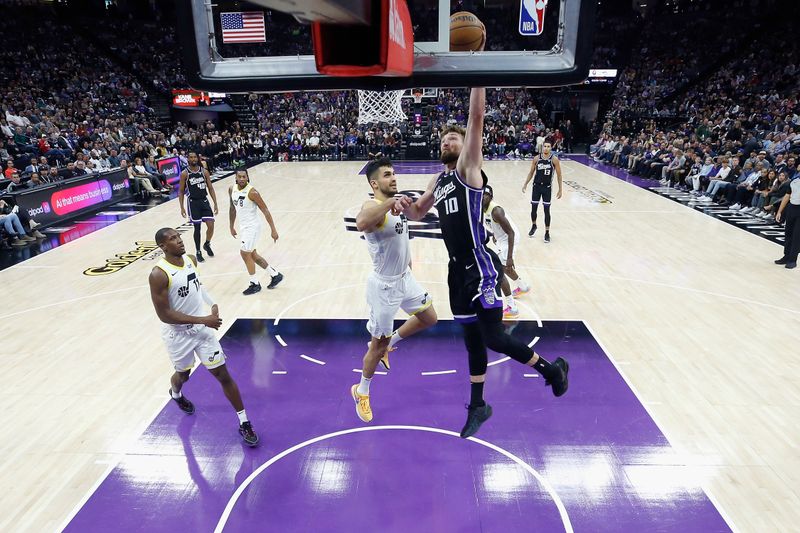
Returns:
<point x="466" y="32"/>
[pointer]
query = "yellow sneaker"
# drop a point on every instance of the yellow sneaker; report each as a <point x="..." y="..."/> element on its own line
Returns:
<point x="363" y="410"/>
<point x="385" y="359"/>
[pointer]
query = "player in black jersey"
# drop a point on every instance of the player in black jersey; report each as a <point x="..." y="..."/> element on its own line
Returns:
<point x="474" y="272"/>
<point x="542" y="168"/>
<point x="198" y="181"/>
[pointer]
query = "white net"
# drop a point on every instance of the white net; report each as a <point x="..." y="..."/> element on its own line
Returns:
<point x="380" y="106"/>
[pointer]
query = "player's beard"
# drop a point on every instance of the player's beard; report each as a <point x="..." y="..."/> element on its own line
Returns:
<point x="448" y="157"/>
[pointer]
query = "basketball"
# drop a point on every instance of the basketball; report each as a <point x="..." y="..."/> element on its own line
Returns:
<point x="467" y="32"/>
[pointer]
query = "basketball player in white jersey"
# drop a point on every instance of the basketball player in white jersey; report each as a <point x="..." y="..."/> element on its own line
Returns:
<point x="196" y="184"/>
<point x="390" y="285"/>
<point x="505" y="235"/>
<point x="541" y="171"/>
<point x="246" y="203"/>
<point x="179" y="298"/>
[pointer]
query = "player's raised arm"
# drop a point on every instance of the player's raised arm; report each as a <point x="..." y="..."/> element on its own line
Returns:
<point x="420" y="208"/>
<point x="373" y="213"/>
<point x="471" y="158"/>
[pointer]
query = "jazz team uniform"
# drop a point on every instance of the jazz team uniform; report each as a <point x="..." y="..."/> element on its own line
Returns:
<point x="184" y="340"/>
<point x="499" y="234"/>
<point x="391" y="285"/>
<point x="251" y="225"/>
<point x="474" y="271"/>
<point x="543" y="181"/>
<point x="196" y="190"/>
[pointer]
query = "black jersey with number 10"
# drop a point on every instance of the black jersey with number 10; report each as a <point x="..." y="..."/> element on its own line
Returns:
<point x="460" y="217"/>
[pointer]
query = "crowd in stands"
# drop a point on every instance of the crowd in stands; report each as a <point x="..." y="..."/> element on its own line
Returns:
<point x="740" y="141"/>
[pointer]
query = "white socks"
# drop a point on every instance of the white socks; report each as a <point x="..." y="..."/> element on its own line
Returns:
<point x="254" y="279"/>
<point x="242" y="416"/>
<point x="395" y="339"/>
<point x="271" y="271"/>
<point x="174" y="394"/>
<point x="363" y="387"/>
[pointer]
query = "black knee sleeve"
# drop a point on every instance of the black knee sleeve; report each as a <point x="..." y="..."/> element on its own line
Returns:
<point x="476" y="349"/>
<point x="547" y="214"/>
<point x="534" y="209"/>
<point x="496" y="338"/>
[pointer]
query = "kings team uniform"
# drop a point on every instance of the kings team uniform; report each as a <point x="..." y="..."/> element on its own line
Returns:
<point x="391" y="285"/>
<point x="196" y="190"/>
<point x="251" y="225"/>
<point x="474" y="272"/>
<point x="499" y="234"/>
<point x="184" y="340"/>
<point x="543" y="181"/>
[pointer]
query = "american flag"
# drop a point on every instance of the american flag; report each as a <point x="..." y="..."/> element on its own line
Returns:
<point x="243" y="27"/>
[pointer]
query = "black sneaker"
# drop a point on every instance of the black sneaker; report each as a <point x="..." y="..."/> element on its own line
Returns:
<point x="277" y="278"/>
<point x="475" y="417"/>
<point x="561" y="384"/>
<point x="207" y="248"/>
<point x="185" y="405"/>
<point x="248" y="435"/>
<point x="546" y="236"/>
<point x="791" y="264"/>
<point x="781" y="261"/>
<point x="252" y="289"/>
<point x="532" y="231"/>
<point x="200" y="257"/>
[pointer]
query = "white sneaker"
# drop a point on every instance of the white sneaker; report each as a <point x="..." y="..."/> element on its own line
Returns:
<point x="735" y="207"/>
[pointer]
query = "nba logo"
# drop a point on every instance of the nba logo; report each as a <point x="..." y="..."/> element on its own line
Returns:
<point x="531" y="17"/>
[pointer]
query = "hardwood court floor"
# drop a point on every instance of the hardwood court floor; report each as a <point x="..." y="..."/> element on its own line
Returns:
<point x="701" y="322"/>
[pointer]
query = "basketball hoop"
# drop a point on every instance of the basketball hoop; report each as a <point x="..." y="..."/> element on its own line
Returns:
<point x="380" y="106"/>
<point x="417" y="97"/>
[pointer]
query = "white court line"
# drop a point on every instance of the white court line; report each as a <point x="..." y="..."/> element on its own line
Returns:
<point x="280" y="340"/>
<point x="530" y="375"/>
<point x="562" y="511"/>
<point x="440" y="372"/>
<point x="115" y="462"/>
<point x="377" y="372"/>
<point x="279" y="372"/>
<point x="635" y="391"/>
<point x="307" y="358"/>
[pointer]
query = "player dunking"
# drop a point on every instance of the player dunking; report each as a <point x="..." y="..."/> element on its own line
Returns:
<point x="198" y="182"/>
<point x="391" y="285"/>
<point x="246" y="203"/>
<point x="178" y="297"/>
<point x="542" y="168"/>
<point x="474" y="273"/>
<point x="505" y="235"/>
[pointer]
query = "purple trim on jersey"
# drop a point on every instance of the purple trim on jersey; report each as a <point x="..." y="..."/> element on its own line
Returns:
<point x="466" y="319"/>
<point x="464" y="183"/>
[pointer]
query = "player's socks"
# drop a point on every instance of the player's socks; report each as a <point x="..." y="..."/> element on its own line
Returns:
<point x="254" y="279"/>
<point x="395" y="339"/>
<point x="363" y="387"/>
<point x="271" y="271"/>
<point x="175" y="395"/>
<point x="476" y="395"/>
<point x="242" y="416"/>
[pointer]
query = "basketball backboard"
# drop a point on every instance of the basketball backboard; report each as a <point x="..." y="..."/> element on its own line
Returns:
<point x="530" y="43"/>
